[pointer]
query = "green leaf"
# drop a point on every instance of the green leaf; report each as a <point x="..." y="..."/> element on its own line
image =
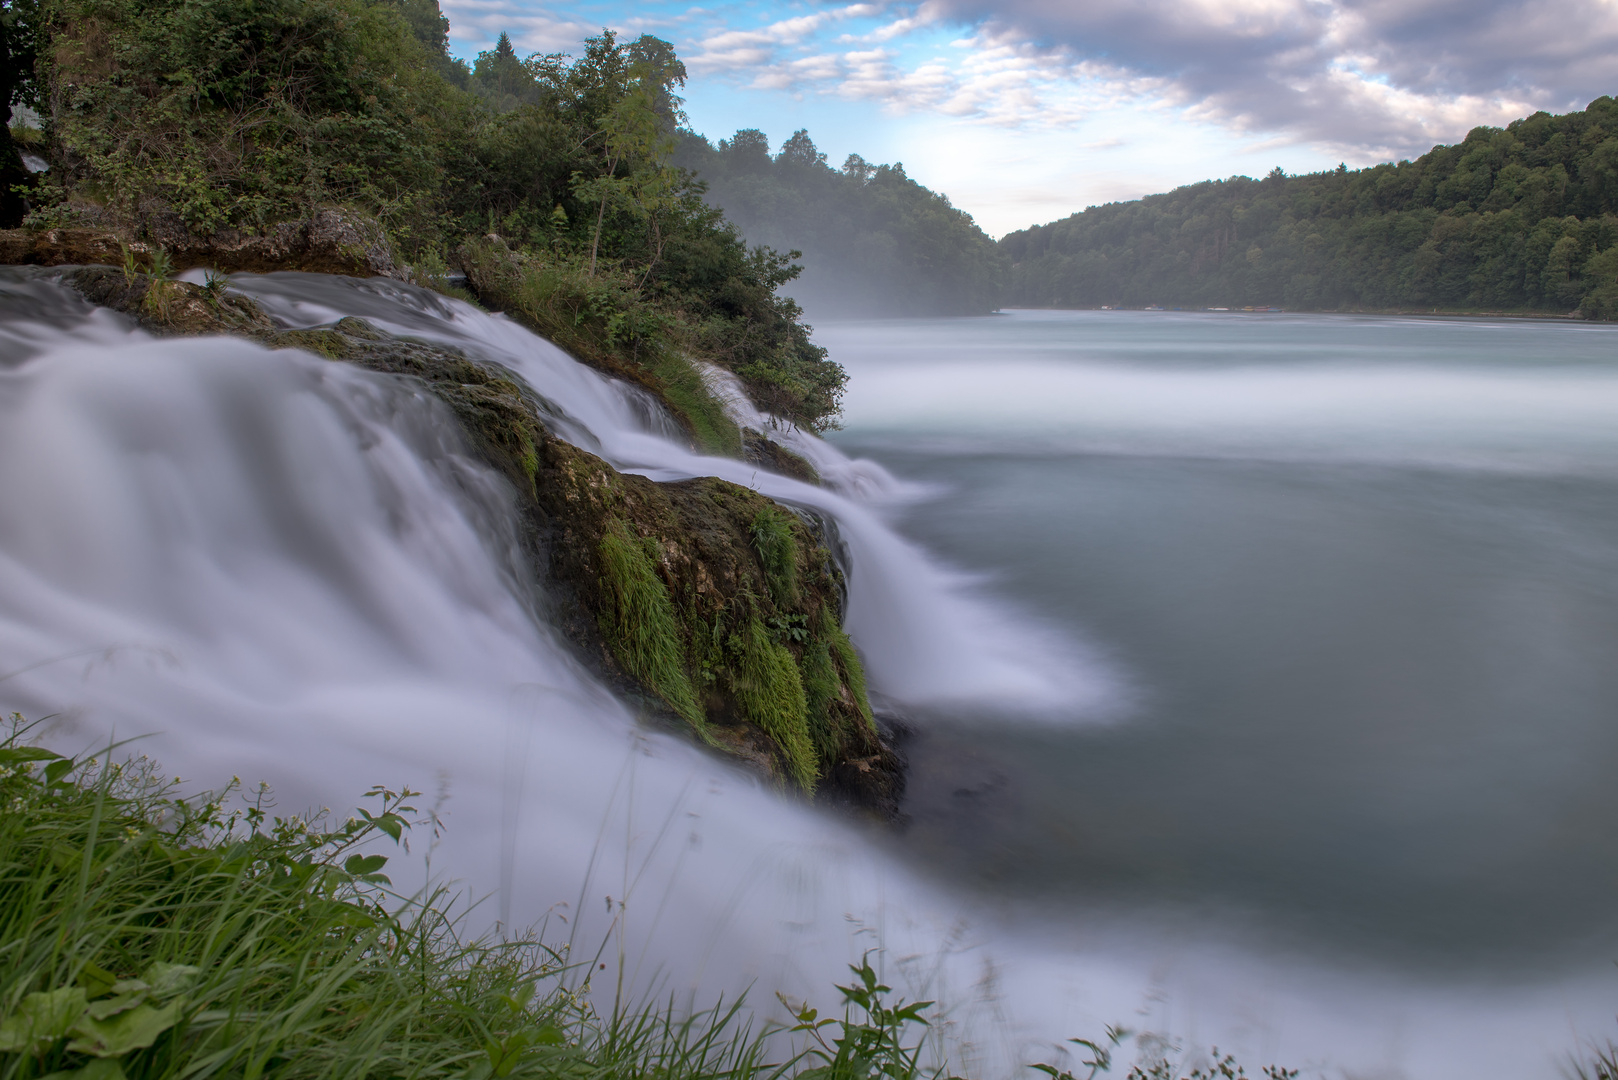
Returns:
<point x="100" y="1010"/>
<point x="96" y="980"/>
<point x="100" y="1069"/>
<point x="16" y="755"/>
<point x="133" y="1030"/>
<point x="364" y="864"/>
<point x="505" y="1055"/>
<point x="42" y="1018"/>
<point x="169" y="979"/>
<point x="58" y="769"/>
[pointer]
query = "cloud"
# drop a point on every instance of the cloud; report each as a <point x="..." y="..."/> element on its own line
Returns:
<point x="1378" y="76"/>
<point x="733" y="50"/>
<point x="1359" y="79"/>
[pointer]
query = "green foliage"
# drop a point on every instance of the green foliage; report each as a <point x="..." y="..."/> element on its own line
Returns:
<point x="771" y="531"/>
<point x="848" y="664"/>
<point x="1155" y="1062"/>
<point x="682" y="388"/>
<point x="870" y="1040"/>
<point x="640" y="626"/>
<point x="194" y="116"/>
<point x="19" y="48"/>
<point x="873" y="241"/>
<point x="821" y="688"/>
<point x="765" y="680"/>
<point x="1516" y="219"/>
<point x="237" y="114"/>
<point x="152" y="937"/>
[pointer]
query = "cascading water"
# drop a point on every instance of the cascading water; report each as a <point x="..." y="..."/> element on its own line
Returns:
<point x="925" y="638"/>
<point x="273" y="565"/>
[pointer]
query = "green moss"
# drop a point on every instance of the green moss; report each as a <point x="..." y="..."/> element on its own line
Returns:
<point x="778" y="551"/>
<point x="327" y="343"/>
<point x="688" y="395"/>
<point x="820" y="687"/>
<point x="769" y="689"/>
<point x="848" y="662"/>
<point x="639" y="622"/>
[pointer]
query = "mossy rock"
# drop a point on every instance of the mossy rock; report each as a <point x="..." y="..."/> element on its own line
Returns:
<point x="755" y="610"/>
<point x="719" y="608"/>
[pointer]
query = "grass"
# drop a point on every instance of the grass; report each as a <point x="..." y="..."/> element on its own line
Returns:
<point x="684" y="391"/>
<point x="772" y="536"/>
<point x="770" y="691"/>
<point x="640" y="626"/>
<point x="848" y="662"/>
<point x="820" y="687"/>
<point x="147" y="936"/>
<point x="603" y="319"/>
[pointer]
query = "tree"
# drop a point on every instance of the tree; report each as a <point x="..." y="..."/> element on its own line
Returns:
<point x="19" y="21"/>
<point x="501" y="76"/>
<point x="637" y="136"/>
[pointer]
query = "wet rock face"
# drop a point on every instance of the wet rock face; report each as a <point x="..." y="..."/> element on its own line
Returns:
<point x="715" y="608"/>
<point x="330" y="242"/>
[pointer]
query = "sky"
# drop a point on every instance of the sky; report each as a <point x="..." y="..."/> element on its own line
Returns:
<point x="1025" y="111"/>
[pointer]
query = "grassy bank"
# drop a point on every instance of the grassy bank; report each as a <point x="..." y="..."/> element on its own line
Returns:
<point x="146" y="935"/>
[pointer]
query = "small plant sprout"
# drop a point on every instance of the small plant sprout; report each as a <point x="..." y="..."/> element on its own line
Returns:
<point x="1099" y="1061"/>
<point x="162" y="267"/>
<point x="157" y="288"/>
<point x="869" y="1040"/>
<point x="213" y="287"/>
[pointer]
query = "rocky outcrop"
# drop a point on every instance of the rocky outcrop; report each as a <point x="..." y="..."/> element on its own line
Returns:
<point x="329" y="242"/>
<point x="718" y="609"/>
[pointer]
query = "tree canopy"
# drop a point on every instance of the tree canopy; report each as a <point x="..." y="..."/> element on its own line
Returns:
<point x="1523" y="218"/>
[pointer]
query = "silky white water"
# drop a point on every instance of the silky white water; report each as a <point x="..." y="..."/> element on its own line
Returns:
<point x="273" y="566"/>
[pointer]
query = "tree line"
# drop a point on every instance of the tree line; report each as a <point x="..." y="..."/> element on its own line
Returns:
<point x="872" y="240"/>
<point x="1523" y="218"/>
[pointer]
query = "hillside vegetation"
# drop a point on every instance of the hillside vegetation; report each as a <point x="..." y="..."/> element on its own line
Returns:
<point x="873" y="241"/>
<point x="1521" y="219"/>
<point x="188" y="125"/>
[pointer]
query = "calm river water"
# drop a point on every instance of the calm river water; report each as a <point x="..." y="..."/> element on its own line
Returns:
<point x="1346" y="590"/>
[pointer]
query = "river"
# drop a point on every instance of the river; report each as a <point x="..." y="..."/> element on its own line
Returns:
<point x="1259" y="667"/>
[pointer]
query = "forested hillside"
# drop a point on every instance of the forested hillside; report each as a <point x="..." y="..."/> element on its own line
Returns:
<point x="1520" y="219"/>
<point x="873" y="241"/>
<point x="197" y="130"/>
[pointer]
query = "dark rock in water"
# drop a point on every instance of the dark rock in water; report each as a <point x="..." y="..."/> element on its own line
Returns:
<point x="762" y="450"/>
<point x="713" y="606"/>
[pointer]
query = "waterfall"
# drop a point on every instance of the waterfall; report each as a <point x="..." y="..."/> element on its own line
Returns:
<point x="271" y="565"/>
<point x="268" y="564"/>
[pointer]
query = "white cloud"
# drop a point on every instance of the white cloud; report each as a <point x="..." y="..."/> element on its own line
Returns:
<point x="1367" y="78"/>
